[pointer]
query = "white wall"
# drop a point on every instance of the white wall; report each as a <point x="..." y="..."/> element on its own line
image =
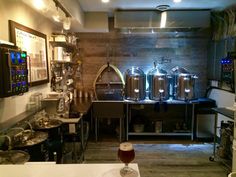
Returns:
<point x="19" y="12"/>
<point x="96" y="22"/>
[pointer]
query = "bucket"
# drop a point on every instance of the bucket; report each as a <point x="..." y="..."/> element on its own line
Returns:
<point x="233" y="174"/>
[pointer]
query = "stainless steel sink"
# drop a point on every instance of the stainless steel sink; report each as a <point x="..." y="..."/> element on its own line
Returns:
<point x="30" y="138"/>
<point x="14" y="157"/>
<point x="46" y="123"/>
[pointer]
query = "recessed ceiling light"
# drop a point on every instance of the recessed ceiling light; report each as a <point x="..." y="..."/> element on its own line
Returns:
<point x="177" y="1"/>
<point x="163" y="7"/>
<point x="39" y="4"/>
<point x="105" y="1"/>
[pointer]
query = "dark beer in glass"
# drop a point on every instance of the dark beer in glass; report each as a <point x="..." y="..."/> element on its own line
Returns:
<point x="126" y="155"/>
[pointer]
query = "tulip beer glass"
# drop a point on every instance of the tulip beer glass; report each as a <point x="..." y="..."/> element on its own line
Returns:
<point x="126" y="155"/>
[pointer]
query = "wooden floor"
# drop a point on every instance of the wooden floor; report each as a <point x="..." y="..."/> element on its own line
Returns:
<point x="162" y="158"/>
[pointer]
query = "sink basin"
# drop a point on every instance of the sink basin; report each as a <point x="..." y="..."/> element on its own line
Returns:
<point x="30" y="138"/>
<point x="13" y="157"/>
<point x="46" y="123"/>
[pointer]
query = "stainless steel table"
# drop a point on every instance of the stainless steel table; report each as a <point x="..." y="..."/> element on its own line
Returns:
<point x="226" y="112"/>
<point x="172" y="102"/>
<point x="128" y="104"/>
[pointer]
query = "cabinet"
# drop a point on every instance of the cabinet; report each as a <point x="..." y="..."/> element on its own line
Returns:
<point x="170" y="118"/>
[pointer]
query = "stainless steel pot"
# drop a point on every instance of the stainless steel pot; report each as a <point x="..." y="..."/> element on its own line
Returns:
<point x="158" y="81"/>
<point x="60" y="54"/>
<point x="183" y="84"/>
<point x="135" y="84"/>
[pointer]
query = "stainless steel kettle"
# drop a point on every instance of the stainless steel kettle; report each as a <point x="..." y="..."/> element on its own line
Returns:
<point x="183" y="84"/>
<point x="158" y="81"/>
<point x="135" y="84"/>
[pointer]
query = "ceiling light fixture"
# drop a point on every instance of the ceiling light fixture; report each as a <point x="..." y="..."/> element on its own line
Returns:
<point x="177" y="1"/>
<point x="129" y="31"/>
<point x="67" y="23"/>
<point x="163" y="7"/>
<point x="105" y="1"/>
<point x="163" y="19"/>
<point x="56" y="17"/>
<point x="39" y="4"/>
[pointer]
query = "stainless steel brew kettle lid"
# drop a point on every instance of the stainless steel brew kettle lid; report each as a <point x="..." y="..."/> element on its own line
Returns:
<point x="157" y="71"/>
<point x="135" y="71"/>
<point x="179" y="71"/>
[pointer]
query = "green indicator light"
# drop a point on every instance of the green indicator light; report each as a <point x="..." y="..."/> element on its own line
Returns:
<point x="23" y="55"/>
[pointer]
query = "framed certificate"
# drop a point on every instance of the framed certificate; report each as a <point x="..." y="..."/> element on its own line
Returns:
<point x="35" y="44"/>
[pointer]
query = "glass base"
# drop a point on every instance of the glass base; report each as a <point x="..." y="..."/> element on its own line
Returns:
<point x="128" y="172"/>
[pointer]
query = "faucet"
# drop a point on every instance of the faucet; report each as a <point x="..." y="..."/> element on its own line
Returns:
<point x="31" y="128"/>
<point x="17" y="128"/>
<point x="9" y="140"/>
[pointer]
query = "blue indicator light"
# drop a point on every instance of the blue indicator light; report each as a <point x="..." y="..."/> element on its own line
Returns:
<point x="18" y="55"/>
<point x="12" y="56"/>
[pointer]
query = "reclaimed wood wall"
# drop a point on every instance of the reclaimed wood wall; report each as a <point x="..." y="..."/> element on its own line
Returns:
<point x="184" y="49"/>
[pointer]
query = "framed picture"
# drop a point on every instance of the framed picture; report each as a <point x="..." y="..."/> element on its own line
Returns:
<point x="35" y="44"/>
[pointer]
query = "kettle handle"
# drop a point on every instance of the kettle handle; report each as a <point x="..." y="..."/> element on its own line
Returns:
<point x="194" y="77"/>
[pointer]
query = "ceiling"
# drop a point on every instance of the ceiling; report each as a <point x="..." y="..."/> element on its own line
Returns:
<point x="76" y="8"/>
<point x="96" y="5"/>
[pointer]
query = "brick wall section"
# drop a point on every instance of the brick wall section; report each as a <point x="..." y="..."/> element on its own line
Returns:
<point x="188" y="49"/>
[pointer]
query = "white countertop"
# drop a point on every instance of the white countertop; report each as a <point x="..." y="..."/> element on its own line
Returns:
<point x="65" y="170"/>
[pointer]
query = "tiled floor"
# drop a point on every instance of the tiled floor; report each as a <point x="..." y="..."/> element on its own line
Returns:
<point x="162" y="158"/>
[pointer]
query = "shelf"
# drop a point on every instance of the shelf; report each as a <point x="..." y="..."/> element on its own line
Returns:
<point x="160" y="134"/>
<point x="224" y="111"/>
<point x="65" y="45"/>
<point x="110" y="83"/>
<point x="61" y="62"/>
<point x="227" y="163"/>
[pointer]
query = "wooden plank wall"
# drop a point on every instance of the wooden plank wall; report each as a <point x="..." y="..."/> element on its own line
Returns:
<point x="185" y="49"/>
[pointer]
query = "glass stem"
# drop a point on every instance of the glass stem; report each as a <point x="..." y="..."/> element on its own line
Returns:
<point x="126" y="165"/>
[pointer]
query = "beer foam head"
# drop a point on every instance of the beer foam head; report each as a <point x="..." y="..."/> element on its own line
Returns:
<point x="126" y="146"/>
